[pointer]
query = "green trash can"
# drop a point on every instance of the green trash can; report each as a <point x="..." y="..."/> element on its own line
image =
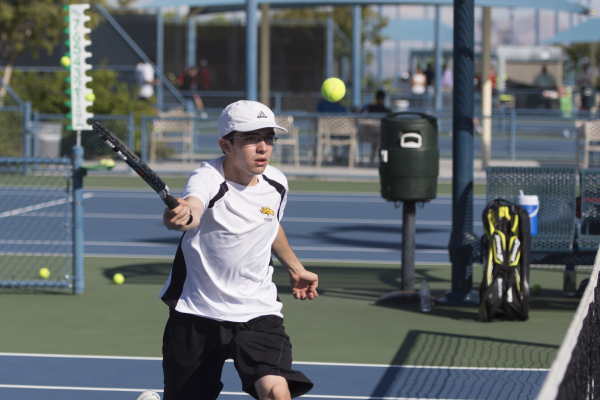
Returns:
<point x="409" y="158"/>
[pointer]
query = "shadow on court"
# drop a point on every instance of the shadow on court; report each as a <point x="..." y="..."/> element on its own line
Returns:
<point x="482" y="354"/>
<point x="141" y="274"/>
<point x="366" y="236"/>
<point x="361" y="283"/>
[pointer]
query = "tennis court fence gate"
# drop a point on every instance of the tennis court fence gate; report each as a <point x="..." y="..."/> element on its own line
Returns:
<point x="41" y="214"/>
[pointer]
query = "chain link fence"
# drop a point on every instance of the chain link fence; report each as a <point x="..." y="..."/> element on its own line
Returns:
<point x="345" y="146"/>
<point x="11" y="121"/>
<point x="14" y="117"/>
<point x="342" y="146"/>
<point x="36" y="215"/>
<point x="51" y="139"/>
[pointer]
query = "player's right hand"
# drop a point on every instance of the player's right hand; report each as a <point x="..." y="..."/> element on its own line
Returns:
<point x="177" y="217"/>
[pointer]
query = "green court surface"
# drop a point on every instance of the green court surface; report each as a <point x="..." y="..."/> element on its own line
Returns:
<point x="344" y="324"/>
<point x="178" y="183"/>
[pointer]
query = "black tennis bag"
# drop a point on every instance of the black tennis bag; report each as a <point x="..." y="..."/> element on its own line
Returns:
<point x="504" y="293"/>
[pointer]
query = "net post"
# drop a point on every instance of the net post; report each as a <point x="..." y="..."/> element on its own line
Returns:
<point x="463" y="242"/>
<point x="78" y="278"/>
<point x="409" y="228"/>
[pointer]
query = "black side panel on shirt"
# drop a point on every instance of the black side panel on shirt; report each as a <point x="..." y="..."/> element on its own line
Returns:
<point x="280" y="189"/>
<point x="222" y="190"/>
<point x="178" y="275"/>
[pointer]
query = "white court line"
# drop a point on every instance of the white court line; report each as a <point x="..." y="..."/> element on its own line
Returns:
<point x="129" y="244"/>
<point x="368" y="221"/>
<point x="95" y="389"/>
<point x="303" y="197"/>
<point x="55" y="242"/>
<point x="39" y="206"/>
<point x="301" y="248"/>
<point x="302" y="259"/>
<point x="364" y="249"/>
<point x="333" y="364"/>
<point x="285" y="219"/>
<point x="318" y="396"/>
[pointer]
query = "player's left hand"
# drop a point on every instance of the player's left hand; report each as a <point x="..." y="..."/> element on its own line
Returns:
<point x="304" y="285"/>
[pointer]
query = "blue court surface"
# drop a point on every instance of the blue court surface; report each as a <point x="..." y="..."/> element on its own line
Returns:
<point x="323" y="227"/>
<point x="319" y="227"/>
<point x="29" y="377"/>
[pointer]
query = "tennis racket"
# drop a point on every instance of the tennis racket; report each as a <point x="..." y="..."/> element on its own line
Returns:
<point x="136" y="164"/>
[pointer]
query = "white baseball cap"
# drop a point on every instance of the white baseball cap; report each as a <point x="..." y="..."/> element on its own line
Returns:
<point x="246" y="116"/>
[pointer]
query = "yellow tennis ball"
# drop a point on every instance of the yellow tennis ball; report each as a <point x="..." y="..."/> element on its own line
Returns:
<point x="109" y="162"/>
<point x="90" y="96"/>
<point x="333" y="89"/>
<point x="118" y="278"/>
<point x="44" y="273"/>
<point x="536" y="289"/>
<point x="65" y="61"/>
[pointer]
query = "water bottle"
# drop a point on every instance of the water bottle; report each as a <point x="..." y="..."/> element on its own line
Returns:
<point x="425" y="295"/>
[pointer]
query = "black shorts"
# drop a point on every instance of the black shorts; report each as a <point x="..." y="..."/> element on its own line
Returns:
<point x="195" y="350"/>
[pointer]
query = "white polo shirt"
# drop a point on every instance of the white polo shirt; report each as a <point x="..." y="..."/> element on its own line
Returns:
<point x="223" y="268"/>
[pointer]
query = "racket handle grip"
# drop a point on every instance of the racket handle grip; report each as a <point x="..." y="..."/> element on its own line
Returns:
<point x="171" y="202"/>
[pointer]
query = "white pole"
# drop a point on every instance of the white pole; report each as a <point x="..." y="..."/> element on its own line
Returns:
<point x="486" y="90"/>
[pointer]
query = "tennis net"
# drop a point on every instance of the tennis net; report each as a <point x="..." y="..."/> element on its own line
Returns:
<point x="575" y="372"/>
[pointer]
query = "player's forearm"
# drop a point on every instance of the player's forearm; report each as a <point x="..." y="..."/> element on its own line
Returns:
<point x="283" y="251"/>
<point x="192" y="222"/>
<point x="185" y="217"/>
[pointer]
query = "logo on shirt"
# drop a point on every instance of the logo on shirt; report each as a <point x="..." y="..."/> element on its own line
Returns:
<point x="261" y="115"/>
<point x="267" y="211"/>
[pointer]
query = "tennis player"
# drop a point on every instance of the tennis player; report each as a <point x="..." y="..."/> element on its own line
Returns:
<point x="223" y="303"/>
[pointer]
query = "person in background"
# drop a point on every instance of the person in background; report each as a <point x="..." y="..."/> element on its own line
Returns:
<point x="144" y="77"/>
<point x="493" y="79"/>
<point x="188" y="79"/>
<point x="447" y="77"/>
<point x="418" y="82"/>
<point x="544" y="80"/>
<point x="368" y="130"/>
<point x="430" y="75"/>
<point x="584" y="79"/>
<point x="379" y="106"/>
<point x="204" y="75"/>
<point x="324" y="106"/>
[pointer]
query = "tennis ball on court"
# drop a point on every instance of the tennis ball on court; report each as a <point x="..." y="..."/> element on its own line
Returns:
<point x="333" y="89"/>
<point x="65" y="61"/>
<point x="536" y="289"/>
<point x="118" y="279"/>
<point x="90" y="96"/>
<point x="44" y="273"/>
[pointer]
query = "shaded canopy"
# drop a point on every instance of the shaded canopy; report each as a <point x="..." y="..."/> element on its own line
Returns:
<point x="237" y="5"/>
<point x="588" y="32"/>
<point x="415" y="29"/>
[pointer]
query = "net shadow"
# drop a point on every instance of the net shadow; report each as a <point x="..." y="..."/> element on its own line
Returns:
<point x="492" y="368"/>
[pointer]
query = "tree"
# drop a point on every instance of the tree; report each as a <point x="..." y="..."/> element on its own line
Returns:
<point x="46" y="91"/>
<point x="31" y="26"/>
<point x="579" y="53"/>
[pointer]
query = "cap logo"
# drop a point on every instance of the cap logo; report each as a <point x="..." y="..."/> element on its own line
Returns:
<point x="261" y="115"/>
